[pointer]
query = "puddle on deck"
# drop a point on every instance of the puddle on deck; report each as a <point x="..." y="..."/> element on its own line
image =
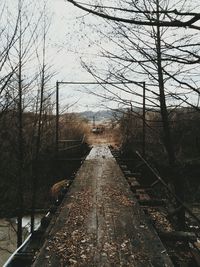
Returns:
<point x="99" y="151"/>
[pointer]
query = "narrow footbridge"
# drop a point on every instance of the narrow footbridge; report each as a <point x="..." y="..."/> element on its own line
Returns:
<point x="100" y="222"/>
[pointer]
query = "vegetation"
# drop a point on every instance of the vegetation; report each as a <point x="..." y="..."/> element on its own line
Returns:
<point x="150" y="59"/>
<point x="184" y="123"/>
<point x="71" y="127"/>
<point x="150" y="49"/>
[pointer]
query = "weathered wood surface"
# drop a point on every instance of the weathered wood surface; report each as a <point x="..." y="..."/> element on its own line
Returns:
<point x="100" y="222"/>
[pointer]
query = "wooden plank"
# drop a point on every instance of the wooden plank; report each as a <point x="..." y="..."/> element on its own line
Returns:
<point x="151" y="202"/>
<point x="178" y="236"/>
<point x="100" y="222"/>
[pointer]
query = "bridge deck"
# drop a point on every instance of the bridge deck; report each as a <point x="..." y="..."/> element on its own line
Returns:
<point x="100" y="222"/>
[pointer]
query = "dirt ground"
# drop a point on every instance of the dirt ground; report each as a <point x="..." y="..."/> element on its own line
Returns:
<point x="109" y="137"/>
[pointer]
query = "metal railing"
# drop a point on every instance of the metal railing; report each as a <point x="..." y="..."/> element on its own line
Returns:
<point x="160" y="180"/>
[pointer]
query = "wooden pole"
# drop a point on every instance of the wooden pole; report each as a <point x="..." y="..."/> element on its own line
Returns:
<point x="93" y="121"/>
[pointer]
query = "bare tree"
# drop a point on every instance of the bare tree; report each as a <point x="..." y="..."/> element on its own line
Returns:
<point x="156" y="59"/>
<point x="40" y="118"/>
<point x="26" y="51"/>
<point x="117" y="10"/>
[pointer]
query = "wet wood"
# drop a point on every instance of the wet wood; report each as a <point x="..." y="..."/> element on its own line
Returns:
<point x="152" y="202"/>
<point x="100" y="222"/>
<point x="178" y="236"/>
<point x="195" y="250"/>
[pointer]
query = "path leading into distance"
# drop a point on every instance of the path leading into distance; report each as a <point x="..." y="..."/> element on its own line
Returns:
<point x="100" y="222"/>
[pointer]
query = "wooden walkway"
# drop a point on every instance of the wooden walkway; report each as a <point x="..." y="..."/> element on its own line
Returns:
<point x="100" y="222"/>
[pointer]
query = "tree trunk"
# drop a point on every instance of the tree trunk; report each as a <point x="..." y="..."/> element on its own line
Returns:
<point x="178" y="182"/>
<point x="20" y="139"/>
<point x="39" y="132"/>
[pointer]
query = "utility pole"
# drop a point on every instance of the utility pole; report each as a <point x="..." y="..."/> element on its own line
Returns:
<point x="93" y="122"/>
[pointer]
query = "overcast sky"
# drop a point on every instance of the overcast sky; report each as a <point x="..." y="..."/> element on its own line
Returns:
<point x="69" y="42"/>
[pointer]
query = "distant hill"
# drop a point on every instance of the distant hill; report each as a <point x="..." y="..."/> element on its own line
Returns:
<point x="106" y="115"/>
<point x="101" y="115"/>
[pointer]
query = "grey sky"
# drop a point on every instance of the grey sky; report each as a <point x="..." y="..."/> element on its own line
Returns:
<point x="74" y="41"/>
<point x="69" y="39"/>
<point x="69" y="42"/>
<point x="68" y="35"/>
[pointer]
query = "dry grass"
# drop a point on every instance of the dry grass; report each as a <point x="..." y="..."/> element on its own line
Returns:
<point x="109" y="137"/>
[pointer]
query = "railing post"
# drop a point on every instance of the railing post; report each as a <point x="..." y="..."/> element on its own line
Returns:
<point x="57" y="115"/>
<point x="144" y="123"/>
